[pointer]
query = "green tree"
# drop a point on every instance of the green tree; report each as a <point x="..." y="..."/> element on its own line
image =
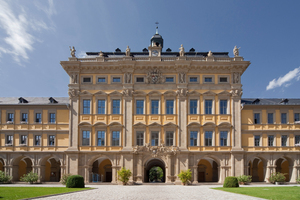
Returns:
<point x="185" y="176"/>
<point x="124" y="175"/>
<point x="156" y="174"/>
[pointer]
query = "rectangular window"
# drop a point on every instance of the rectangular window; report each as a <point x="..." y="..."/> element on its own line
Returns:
<point x="193" y="79"/>
<point x="271" y="140"/>
<point x="154" y="107"/>
<point x="101" y="138"/>
<point x="87" y="80"/>
<point x="37" y="140"/>
<point x="116" y="106"/>
<point x="101" y="106"/>
<point x="86" y="106"/>
<point x="51" y="140"/>
<point x="283" y="118"/>
<point x="140" y="138"/>
<point x="223" y="138"/>
<point x="139" y="107"/>
<point x="116" y="80"/>
<point x="257" y="140"/>
<point x="208" y="79"/>
<point x="23" y="139"/>
<point x="193" y="106"/>
<point x="85" y="138"/>
<point x="223" y="79"/>
<point x="270" y="118"/>
<point x="169" y="79"/>
<point x="284" y="140"/>
<point x="256" y="118"/>
<point x="297" y="139"/>
<point x="52" y="117"/>
<point x="193" y="138"/>
<point x="223" y="107"/>
<point x="140" y="80"/>
<point x="9" y="139"/>
<point x="24" y="117"/>
<point x="297" y="117"/>
<point x="38" y="117"/>
<point x="208" y="107"/>
<point x="208" y="138"/>
<point x="169" y="138"/>
<point x="101" y="80"/>
<point x="170" y="107"/>
<point x="115" y="138"/>
<point x="10" y="117"/>
<point x="154" y="138"/>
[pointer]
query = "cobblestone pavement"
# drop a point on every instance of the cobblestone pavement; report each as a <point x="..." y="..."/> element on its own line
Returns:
<point x="147" y="192"/>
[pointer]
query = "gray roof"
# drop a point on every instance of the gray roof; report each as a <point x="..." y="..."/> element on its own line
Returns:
<point x="258" y="101"/>
<point x="34" y="101"/>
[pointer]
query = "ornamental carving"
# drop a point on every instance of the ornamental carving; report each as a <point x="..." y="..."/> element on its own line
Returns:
<point x="128" y="92"/>
<point x="182" y="92"/>
<point x="181" y="77"/>
<point x="128" y="77"/>
<point x="156" y="150"/>
<point x="236" y="52"/>
<point x="154" y="76"/>
<point x="236" y="92"/>
<point x="74" y="78"/>
<point x="72" y="51"/>
<point x="73" y="93"/>
<point x="236" y="77"/>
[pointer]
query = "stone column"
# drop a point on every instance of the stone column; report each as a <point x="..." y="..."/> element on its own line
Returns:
<point x="294" y="171"/>
<point x="128" y="122"/>
<point x="87" y="173"/>
<point x="15" y="172"/>
<point x="182" y="116"/>
<point x="139" y="176"/>
<point x="72" y="163"/>
<point x="236" y="119"/>
<point x="114" y="174"/>
<point x="169" y="169"/>
<point x="195" y="174"/>
<point x="269" y="170"/>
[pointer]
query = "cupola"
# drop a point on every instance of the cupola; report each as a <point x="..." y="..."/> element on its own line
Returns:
<point x="157" y="40"/>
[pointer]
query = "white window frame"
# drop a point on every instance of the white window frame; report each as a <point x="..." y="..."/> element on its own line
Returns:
<point x="116" y="98"/>
<point x="209" y="97"/>
<point x="12" y="143"/>
<point x="159" y="135"/>
<point x="287" y="140"/>
<point x="274" y="139"/>
<point x="136" y="131"/>
<point x="213" y="142"/>
<point x="260" y="139"/>
<point x="228" y="136"/>
<point x="13" y="112"/>
<point x="174" y="104"/>
<point x="105" y="136"/>
<point x="287" y="116"/>
<point x="144" y="105"/>
<point x="189" y="104"/>
<point x="41" y="142"/>
<point x="20" y="139"/>
<point x="198" y="136"/>
<point x="48" y="139"/>
<point x="111" y="137"/>
<point x="159" y="104"/>
<point x="81" y="138"/>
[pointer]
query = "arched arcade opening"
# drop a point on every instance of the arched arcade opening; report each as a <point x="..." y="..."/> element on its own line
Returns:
<point x="101" y="170"/>
<point x="256" y="169"/>
<point x="52" y="170"/>
<point x="21" y="166"/>
<point x="1" y="164"/>
<point x="208" y="170"/>
<point x="283" y="166"/>
<point x="154" y="164"/>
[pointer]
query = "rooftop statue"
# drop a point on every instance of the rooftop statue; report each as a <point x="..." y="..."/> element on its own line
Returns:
<point x="209" y="53"/>
<point x="72" y="51"/>
<point x="127" y="51"/>
<point x="236" y="52"/>
<point x="181" y="52"/>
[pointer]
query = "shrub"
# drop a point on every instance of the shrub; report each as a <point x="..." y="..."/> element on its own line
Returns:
<point x="244" y="179"/>
<point x="75" y="181"/>
<point x="5" y="178"/>
<point x="231" y="181"/>
<point x="64" y="178"/>
<point x="31" y="177"/>
<point x="185" y="176"/>
<point x="124" y="175"/>
<point x="277" y="177"/>
<point x="298" y="180"/>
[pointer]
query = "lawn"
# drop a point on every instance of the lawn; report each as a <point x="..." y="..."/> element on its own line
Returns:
<point x="30" y="192"/>
<point x="274" y="193"/>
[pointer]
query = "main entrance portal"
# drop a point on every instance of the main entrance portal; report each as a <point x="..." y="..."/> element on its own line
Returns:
<point x="152" y="170"/>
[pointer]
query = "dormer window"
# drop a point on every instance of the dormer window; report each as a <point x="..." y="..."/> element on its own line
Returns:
<point x="52" y="100"/>
<point x="22" y="100"/>
<point x="256" y="101"/>
<point x="284" y="101"/>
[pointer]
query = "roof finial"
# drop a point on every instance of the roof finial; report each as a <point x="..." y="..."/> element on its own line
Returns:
<point x="156" y="28"/>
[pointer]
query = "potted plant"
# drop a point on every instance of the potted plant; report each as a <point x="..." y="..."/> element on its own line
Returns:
<point x="185" y="176"/>
<point x="244" y="179"/>
<point x="123" y="175"/>
<point x="277" y="178"/>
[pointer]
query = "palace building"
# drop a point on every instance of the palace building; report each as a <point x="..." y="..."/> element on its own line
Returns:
<point x="176" y="110"/>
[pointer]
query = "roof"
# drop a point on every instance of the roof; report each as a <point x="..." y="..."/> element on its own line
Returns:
<point x="34" y="100"/>
<point x="258" y="101"/>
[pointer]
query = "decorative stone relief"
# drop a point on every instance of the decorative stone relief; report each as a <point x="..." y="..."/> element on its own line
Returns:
<point x="128" y="77"/>
<point x="127" y="52"/>
<point x="182" y="92"/>
<point x="128" y="92"/>
<point x="73" y="93"/>
<point x="72" y="51"/>
<point x="236" y="92"/>
<point x="181" y="51"/>
<point x="181" y="77"/>
<point x="236" y="52"/>
<point x="74" y="78"/>
<point x="156" y="150"/>
<point x="154" y="76"/>
<point x="236" y="77"/>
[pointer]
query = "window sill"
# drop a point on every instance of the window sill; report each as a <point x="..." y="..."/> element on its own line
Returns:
<point x="23" y="122"/>
<point x="8" y="145"/>
<point x="10" y="122"/>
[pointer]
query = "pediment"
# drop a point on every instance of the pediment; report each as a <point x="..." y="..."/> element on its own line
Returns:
<point x="194" y="124"/>
<point x="209" y="93"/>
<point x="225" y="124"/>
<point x="100" y="124"/>
<point x="115" y="93"/>
<point x="139" y="93"/>
<point x="170" y="124"/>
<point x="154" y="124"/>
<point x="225" y="93"/>
<point x="115" y="124"/>
<point x="170" y="93"/>
<point x="85" y="93"/>
<point x="154" y="93"/>
<point x="139" y="124"/>
<point x="194" y="93"/>
<point x="100" y="93"/>
<point x="209" y="124"/>
<point x="84" y="124"/>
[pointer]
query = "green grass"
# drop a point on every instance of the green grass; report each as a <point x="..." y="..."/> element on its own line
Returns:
<point x="274" y="193"/>
<point x="30" y="192"/>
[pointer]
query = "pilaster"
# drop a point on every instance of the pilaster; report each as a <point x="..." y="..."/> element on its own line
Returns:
<point x="128" y="117"/>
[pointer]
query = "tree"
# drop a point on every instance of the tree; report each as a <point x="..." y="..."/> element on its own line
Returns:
<point x="156" y="174"/>
<point x="124" y="175"/>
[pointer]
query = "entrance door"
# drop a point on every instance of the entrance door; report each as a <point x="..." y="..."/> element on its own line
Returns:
<point x="201" y="176"/>
<point x="108" y="176"/>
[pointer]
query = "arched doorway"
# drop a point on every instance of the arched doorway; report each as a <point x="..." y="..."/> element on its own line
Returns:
<point x="52" y="170"/>
<point x="256" y="170"/>
<point x="283" y="166"/>
<point x="101" y="171"/>
<point x="1" y="164"/>
<point x="208" y="170"/>
<point x="152" y="164"/>
<point x="24" y="167"/>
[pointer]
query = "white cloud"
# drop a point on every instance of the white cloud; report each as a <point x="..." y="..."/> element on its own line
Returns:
<point x="48" y="9"/>
<point x="285" y="80"/>
<point x="19" y="29"/>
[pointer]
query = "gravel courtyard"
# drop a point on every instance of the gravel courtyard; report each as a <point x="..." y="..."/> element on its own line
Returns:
<point x="152" y="192"/>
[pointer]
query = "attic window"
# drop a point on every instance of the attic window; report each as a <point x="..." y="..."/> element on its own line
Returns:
<point x="118" y="50"/>
<point x="168" y="50"/>
<point x="192" y="50"/>
<point x="52" y="100"/>
<point x="284" y="101"/>
<point x="22" y="100"/>
<point x="256" y="101"/>
<point x="145" y="50"/>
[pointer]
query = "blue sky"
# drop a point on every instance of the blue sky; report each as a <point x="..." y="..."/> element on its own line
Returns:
<point x="35" y="36"/>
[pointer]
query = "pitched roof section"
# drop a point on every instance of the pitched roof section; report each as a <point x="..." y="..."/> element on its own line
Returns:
<point x="34" y="101"/>
<point x="255" y="101"/>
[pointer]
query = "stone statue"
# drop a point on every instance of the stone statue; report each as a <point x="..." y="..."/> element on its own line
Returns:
<point x="236" y="77"/>
<point x="101" y="54"/>
<point x="181" y="77"/>
<point x="127" y="53"/>
<point x="209" y="54"/>
<point x="181" y="52"/>
<point x="74" y="78"/>
<point x="72" y="51"/>
<point x="236" y="51"/>
<point x="127" y="77"/>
